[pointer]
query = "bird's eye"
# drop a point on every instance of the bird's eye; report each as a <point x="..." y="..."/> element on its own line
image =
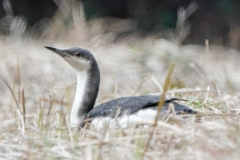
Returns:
<point x="78" y="54"/>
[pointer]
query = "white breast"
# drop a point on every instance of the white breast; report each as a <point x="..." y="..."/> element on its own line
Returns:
<point x="144" y="116"/>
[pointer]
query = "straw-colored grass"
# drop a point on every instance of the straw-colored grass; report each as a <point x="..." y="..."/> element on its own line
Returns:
<point x="37" y="89"/>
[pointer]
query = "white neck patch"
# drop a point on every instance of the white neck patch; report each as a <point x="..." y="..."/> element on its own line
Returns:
<point x="82" y="78"/>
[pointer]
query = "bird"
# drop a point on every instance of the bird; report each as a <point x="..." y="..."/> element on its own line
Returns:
<point x="88" y="80"/>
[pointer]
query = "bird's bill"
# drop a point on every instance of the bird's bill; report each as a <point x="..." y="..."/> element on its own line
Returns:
<point x="55" y="50"/>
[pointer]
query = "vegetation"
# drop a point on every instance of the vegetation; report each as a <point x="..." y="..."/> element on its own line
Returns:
<point x="37" y="90"/>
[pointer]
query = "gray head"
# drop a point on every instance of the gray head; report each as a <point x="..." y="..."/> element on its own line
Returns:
<point x="88" y="79"/>
<point x="80" y="59"/>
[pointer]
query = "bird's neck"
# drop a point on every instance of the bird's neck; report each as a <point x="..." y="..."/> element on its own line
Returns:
<point x="86" y="94"/>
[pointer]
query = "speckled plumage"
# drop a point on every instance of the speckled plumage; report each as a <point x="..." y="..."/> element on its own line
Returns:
<point x="130" y="105"/>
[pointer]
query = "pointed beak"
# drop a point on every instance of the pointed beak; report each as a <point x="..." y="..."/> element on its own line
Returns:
<point x="58" y="51"/>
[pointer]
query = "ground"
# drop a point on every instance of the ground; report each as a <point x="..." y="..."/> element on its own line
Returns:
<point x="37" y="89"/>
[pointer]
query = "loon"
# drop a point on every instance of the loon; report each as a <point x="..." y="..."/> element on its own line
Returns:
<point x="88" y="80"/>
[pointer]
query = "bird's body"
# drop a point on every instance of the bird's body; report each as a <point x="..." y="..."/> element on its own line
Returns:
<point x="88" y="80"/>
<point x="125" y="105"/>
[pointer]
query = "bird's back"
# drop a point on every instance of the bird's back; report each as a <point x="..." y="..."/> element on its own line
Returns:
<point x="131" y="105"/>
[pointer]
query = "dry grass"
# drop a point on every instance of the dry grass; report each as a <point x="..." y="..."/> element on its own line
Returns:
<point x="34" y="122"/>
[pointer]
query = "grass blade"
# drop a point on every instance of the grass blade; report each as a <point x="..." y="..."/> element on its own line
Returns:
<point x="160" y="104"/>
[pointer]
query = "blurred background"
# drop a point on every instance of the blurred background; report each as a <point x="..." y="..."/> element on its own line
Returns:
<point x="134" y="42"/>
<point x="215" y="20"/>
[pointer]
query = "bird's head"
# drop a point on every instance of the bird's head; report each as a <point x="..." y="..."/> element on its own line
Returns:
<point x="80" y="59"/>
